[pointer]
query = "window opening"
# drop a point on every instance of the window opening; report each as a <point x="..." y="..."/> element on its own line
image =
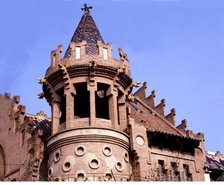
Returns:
<point x="162" y="172"/>
<point x="175" y="174"/>
<point x="105" y="54"/>
<point x="102" y="105"/>
<point x="63" y="110"/>
<point x="82" y="101"/>
<point x="187" y="175"/>
<point x="77" y="52"/>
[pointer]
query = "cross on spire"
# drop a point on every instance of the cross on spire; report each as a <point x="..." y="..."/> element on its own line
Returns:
<point x="86" y="8"/>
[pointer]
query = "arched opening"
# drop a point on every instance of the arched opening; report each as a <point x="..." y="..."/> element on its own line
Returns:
<point x="81" y="103"/>
<point x="102" y="105"/>
<point x="2" y="163"/>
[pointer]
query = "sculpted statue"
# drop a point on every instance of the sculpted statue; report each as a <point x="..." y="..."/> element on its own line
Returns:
<point x="123" y="56"/>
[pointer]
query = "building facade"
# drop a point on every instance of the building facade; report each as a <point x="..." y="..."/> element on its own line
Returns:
<point x="215" y="166"/>
<point x="99" y="130"/>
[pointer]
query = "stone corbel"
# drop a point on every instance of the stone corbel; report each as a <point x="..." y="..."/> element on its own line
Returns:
<point x="111" y="91"/>
<point x="69" y="88"/>
<point x="92" y="85"/>
<point x="121" y="69"/>
<point x="121" y="100"/>
<point x="54" y="96"/>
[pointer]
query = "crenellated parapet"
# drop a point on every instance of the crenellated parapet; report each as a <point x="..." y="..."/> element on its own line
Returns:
<point x="158" y="110"/>
<point x="171" y="117"/>
<point x="79" y="58"/>
<point x="16" y="111"/>
<point x="18" y="132"/>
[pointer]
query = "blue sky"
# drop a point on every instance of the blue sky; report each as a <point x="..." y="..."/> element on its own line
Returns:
<point x="177" y="46"/>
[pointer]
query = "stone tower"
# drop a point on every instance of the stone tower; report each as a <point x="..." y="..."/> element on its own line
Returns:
<point x="86" y="90"/>
<point x="98" y="131"/>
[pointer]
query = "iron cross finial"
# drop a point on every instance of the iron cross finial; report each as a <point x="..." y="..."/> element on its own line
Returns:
<point x="86" y="8"/>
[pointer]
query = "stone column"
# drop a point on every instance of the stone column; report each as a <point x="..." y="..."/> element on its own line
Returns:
<point x="122" y="113"/>
<point x="69" y="111"/>
<point x="55" y="109"/>
<point x="92" y="89"/>
<point x="113" y="114"/>
<point x="139" y="147"/>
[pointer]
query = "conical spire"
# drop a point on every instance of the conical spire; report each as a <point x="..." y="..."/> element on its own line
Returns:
<point x="87" y="31"/>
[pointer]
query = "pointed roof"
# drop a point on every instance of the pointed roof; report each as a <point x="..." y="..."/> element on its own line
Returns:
<point x="87" y="31"/>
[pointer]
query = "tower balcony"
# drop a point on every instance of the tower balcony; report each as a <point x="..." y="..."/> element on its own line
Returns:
<point x="77" y="57"/>
<point x="85" y="122"/>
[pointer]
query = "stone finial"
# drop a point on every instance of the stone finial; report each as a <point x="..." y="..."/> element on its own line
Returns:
<point x="92" y="64"/>
<point x="189" y="133"/>
<point x="145" y="84"/>
<point x="121" y="69"/>
<point x="123" y="56"/>
<point x="7" y="95"/>
<point x="183" y="125"/>
<point x="41" y="80"/>
<point x="62" y="68"/>
<point x="171" y="116"/>
<point x="40" y="95"/>
<point x="22" y="109"/>
<point x="59" y="48"/>
<point x="200" y="136"/>
<point x="86" y="8"/>
<point x="58" y="52"/>
<point x="53" y="54"/>
<point x="141" y="92"/>
<point x="219" y="154"/>
<point x="16" y="99"/>
<point x="150" y="100"/>
<point x="131" y="98"/>
<point x="56" y="55"/>
<point x="135" y="84"/>
<point x="173" y="111"/>
<point x="160" y="108"/>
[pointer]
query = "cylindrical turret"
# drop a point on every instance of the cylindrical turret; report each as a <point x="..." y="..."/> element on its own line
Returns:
<point x="87" y="90"/>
